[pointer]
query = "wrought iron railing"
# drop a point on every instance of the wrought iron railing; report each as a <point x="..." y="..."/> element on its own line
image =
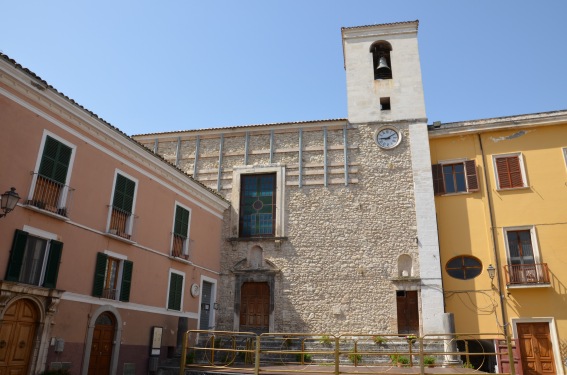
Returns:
<point x="180" y="247"/>
<point x="526" y="274"/>
<point x="120" y="223"/>
<point x="50" y="195"/>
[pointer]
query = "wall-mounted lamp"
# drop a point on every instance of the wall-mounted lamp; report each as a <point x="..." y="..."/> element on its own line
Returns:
<point x="9" y="201"/>
<point x="491" y="272"/>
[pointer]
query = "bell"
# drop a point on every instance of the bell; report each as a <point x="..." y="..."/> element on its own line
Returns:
<point x="382" y="64"/>
<point x="383" y="71"/>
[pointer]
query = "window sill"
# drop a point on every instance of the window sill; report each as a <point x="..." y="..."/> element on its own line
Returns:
<point x="528" y="286"/>
<point x="257" y="239"/>
<point x="181" y="260"/>
<point x="119" y="238"/>
<point x="512" y="189"/>
<point x="457" y="193"/>
<point x="52" y="214"/>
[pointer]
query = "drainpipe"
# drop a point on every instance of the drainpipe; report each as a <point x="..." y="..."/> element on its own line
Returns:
<point x="496" y="259"/>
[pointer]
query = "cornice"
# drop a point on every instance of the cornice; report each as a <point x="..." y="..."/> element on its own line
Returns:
<point x="497" y="124"/>
<point x="44" y="100"/>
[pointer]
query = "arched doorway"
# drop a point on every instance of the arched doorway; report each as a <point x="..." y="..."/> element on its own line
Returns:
<point x="102" y="343"/>
<point x="17" y="333"/>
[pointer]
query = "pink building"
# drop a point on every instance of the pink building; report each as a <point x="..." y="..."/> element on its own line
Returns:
<point x="110" y="248"/>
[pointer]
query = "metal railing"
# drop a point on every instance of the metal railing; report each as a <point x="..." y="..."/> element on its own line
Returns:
<point x="120" y="223"/>
<point x="289" y="353"/>
<point x="518" y="274"/>
<point x="180" y="247"/>
<point x="50" y="195"/>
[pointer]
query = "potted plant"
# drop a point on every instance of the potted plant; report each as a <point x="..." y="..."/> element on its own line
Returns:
<point x="411" y="339"/>
<point x="379" y="340"/>
<point x="399" y="360"/>
<point x="429" y="361"/>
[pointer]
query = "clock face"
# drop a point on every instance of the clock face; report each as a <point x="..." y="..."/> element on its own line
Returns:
<point x="388" y="138"/>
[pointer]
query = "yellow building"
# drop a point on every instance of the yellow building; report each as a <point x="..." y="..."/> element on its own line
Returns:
<point x="501" y="202"/>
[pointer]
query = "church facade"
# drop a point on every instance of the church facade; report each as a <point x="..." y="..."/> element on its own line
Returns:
<point x="332" y="224"/>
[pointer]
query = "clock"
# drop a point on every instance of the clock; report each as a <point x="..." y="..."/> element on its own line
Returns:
<point x="195" y="290"/>
<point x="387" y="137"/>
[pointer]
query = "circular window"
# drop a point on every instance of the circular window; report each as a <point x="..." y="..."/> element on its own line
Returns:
<point x="464" y="267"/>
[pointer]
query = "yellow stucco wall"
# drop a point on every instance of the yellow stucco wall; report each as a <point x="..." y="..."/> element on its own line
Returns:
<point x="464" y="222"/>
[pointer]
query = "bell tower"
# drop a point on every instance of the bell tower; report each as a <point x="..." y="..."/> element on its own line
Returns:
<point x="383" y="73"/>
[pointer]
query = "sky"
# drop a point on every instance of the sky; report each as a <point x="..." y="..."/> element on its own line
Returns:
<point x="158" y="66"/>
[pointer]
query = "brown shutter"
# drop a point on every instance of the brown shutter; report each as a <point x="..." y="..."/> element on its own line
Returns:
<point x="515" y="172"/>
<point x="438" y="185"/>
<point x="509" y="172"/>
<point x="472" y="178"/>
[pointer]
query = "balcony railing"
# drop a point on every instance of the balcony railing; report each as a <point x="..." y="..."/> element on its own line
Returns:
<point x="180" y="247"/>
<point x="109" y="293"/>
<point x="120" y="223"/>
<point x="527" y="274"/>
<point x="50" y="195"/>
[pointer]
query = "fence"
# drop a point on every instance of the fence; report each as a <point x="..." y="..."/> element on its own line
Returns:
<point x="289" y="353"/>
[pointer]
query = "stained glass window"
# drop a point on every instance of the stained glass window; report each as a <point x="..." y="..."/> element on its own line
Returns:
<point x="257" y="205"/>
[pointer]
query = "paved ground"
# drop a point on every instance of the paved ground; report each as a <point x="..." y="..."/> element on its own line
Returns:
<point x="344" y="370"/>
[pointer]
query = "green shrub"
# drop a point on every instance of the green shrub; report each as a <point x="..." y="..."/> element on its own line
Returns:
<point x="325" y="340"/>
<point x="429" y="360"/>
<point x="379" y="340"/>
<point x="468" y="365"/>
<point x="355" y="358"/>
<point x="306" y="357"/>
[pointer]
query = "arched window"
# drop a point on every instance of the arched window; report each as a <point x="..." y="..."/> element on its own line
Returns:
<point x="464" y="267"/>
<point x="381" y="59"/>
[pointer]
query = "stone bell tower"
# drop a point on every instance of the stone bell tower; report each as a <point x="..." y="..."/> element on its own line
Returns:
<point x="385" y="97"/>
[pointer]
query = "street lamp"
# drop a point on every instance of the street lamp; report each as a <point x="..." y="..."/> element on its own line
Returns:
<point x="491" y="272"/>
<point x="9" y="201"/>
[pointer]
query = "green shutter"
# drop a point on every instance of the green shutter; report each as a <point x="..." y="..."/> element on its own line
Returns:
<point x="181" y="221"/>
<point x="126" y="281"/>
<point x="55" y="160"/>
<point x="17" y="255"/>
<point x="53" y="261"/>
<point x="124" y="193"/>
<point x="175" y="290"/>
<point x="100" y="274"/>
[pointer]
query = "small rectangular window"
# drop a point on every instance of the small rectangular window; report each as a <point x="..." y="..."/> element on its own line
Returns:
<point x="175" y="294"/>
<point x="524" y="266"/>
<point x="455" y="177"/>
<point x="34" y="260"/>
<point x="180" y="246"/>
<point x="510" y="172"/>
<point x="113" y="278"/>
<point x="122" y="207"/>
<point x="385" y="104"/>
<point x="50" y="189"/>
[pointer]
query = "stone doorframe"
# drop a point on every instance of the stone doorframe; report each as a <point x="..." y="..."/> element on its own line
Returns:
<point x="116" y="341"/>
<point x="559" y="366"/>
<point x="46" y="302"/>
<point x="264" y="274"/>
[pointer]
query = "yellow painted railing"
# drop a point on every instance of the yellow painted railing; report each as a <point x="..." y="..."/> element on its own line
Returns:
<point x="288" y="353"/>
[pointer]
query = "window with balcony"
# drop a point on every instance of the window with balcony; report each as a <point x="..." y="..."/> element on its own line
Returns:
<point x="454" y="177"/>
<point x="510" y="173"/>
<point x="34" y="259"/>
<point x="524" y="267"/>
<point x="122" y="209"/>
<point x="180" y="246"/>
<point x="175" y="292"/>
<point x="113" y="277"/>
<point x="257" y="205"/>
<point x="50" y="191"/>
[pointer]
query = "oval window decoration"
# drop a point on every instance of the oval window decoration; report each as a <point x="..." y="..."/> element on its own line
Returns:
<point x="464" y="267"/>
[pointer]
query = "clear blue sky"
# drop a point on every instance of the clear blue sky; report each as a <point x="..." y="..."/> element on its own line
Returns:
<point x="156" y="66"/>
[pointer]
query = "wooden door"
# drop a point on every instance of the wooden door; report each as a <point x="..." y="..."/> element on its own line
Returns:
<point x="101" y="348"/>
<point x="255" y="307"/>
<point x="408" y="313"/>
<point x="535" y="348"/>
<point x="17" y="334"/>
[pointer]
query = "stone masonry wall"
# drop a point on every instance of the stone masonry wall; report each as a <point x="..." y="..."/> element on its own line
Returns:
<point x="336" y="266"/>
